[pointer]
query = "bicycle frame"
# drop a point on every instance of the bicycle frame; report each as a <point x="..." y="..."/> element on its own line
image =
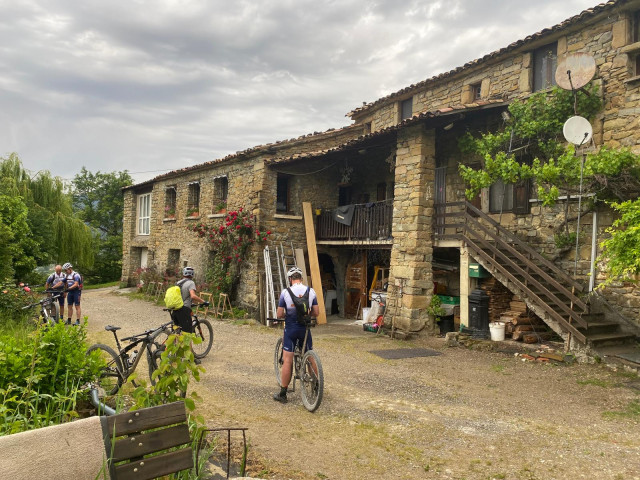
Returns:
<point x="146" y="341"/>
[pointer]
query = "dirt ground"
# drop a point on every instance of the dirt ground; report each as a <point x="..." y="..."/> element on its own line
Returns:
<point x="465" y="414"/>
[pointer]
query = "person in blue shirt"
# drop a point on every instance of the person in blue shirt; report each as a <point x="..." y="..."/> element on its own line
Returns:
<point x="73" y="280"/>
<point x="294" y="330"/>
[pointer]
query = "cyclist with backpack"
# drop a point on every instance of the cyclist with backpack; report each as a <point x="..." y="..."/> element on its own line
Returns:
<point x="57" y="281"/>
<point x="182" y="316"/>
<point x="73" y="282"/>
<point x="297" y="304"/>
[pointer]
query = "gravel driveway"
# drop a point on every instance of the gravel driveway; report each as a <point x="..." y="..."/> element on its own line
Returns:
<point x="464" y="414"/>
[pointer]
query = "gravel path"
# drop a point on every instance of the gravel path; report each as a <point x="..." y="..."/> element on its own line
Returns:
<point x="465" y="414"/>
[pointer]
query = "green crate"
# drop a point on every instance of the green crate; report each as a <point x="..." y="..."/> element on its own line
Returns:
<point x="477" y="271"/>
<point x="449" y="300"/>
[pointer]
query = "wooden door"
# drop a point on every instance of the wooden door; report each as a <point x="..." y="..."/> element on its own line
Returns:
<point x="356" y="286"/>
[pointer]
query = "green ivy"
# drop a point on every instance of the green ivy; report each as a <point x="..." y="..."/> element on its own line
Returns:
<point x="622" y="249"/>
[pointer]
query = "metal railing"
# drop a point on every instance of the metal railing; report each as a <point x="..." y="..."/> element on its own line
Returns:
<point x="370" y="221"/>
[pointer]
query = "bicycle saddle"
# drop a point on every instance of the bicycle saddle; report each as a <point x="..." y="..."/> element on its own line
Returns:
<point x="110" y="328"/>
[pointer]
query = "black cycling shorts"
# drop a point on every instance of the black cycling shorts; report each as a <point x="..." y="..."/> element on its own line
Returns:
<point x="182" y="318"/>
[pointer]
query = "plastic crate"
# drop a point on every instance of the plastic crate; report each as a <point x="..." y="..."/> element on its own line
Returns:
<point x="449" y="300"/>
<point x="370" y="327"/>
<point x="477" y="271"/>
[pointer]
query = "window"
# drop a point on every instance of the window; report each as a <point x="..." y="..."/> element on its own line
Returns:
<point x="193" y="202"/>
<point x="406" y="109"/>
<point x="636" y="38"/>
<point x="220" y="192"/>
<point x="173" y="262"/>
<point x="545" y="61"/>
<point x="501" y="197"/>
<point x="170" y="202"/>
<point x="144" y="213"/>
<point x="476" y="91"/>
<point x="282" y="194"/>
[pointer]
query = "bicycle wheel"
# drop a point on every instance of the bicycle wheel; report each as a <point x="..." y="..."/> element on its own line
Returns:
<point x="111" y="376"/>
<point x="204" y="330"/>
<point x="51" y="312"/>
<point x="312" y="381"/>
<point x="153" y="359"/>
<point x="277" y="360"/>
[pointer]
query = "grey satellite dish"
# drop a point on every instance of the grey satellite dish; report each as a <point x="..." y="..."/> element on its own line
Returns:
<point x="577" y="130"/>
<point x="575" y="71"/>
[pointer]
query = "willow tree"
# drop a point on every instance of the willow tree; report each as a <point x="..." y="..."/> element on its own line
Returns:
<point x="51" y="233"/>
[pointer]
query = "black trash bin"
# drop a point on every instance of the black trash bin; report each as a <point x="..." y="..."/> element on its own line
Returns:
<point x="479" y="313"/>
<point x="446" y="324"/>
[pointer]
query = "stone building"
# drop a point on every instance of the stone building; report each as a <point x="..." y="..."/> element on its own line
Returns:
<point x="397" y="166"/>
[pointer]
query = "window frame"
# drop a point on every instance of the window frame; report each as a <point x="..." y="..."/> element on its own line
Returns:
<point x="193" y="199"/>
<point x="406" y="113"/>
<point x="220" y="191"/>
<point x="143" y="203"/>
<point x="283" y="181"/>
<point x="170" y="201"/>
<point x="547" y="78"/>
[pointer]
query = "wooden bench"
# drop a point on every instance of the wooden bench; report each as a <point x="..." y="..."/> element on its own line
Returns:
<point x="136" y="443"/>
<point x="131" y="438"/>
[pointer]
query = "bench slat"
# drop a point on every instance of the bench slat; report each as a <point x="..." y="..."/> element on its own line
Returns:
<point x="145" y="443"/>
<point x="157" y="466"/>
<point x="147" y="418"/>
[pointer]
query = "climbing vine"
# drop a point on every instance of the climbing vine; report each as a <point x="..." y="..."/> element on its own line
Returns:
<point x="232" y="240"/>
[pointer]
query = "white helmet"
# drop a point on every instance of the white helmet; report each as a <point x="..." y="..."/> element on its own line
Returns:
<point x="67" y="265"/>
<point x="292" y="271"/>
<point x="188" y="272"/>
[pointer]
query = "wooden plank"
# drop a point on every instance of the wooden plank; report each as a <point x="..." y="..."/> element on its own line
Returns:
<point x="154" y="467"/>
<point x="147" y="418"/>
<point x="146" y="443"/>
<point x="302" y="265"/>
<point x="316" y="281"/>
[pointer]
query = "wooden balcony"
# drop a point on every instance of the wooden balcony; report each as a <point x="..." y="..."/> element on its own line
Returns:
<point x="371" y="222"/>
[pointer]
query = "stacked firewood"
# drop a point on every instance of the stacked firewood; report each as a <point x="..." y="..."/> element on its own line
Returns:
<point x="499" y="297"/>
<point x="523" y="325"/>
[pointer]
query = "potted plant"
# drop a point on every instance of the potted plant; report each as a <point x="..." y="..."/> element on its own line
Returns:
<point x="221" y="207"/>
<point x="193" y="212"/>
<point x="435" y="310"/>
<point x="169" y="212"/>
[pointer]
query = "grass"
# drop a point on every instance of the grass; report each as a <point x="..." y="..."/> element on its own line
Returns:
<point x="632" y="410"/>
<point x="595" y="382"/>
<point x="101" y="285"/>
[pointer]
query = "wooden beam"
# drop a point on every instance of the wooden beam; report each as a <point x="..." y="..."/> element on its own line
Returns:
<point x="316" y="281"/>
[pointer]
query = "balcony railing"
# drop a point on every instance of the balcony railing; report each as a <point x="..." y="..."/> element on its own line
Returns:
<point x="371" y="221"/>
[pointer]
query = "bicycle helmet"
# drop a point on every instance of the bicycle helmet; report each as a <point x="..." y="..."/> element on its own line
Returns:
<point x="188" y="272"/>
<point x="67" y="265"/>
<point x="292" y="271"/>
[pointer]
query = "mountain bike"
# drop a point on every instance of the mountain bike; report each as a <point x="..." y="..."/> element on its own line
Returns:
<point x="120" y="365"/>
<point x="201" y="328"/>
<point x="49" y="312"/>
<point x="306" y="367"/>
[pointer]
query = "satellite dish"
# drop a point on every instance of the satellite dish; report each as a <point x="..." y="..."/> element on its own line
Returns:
<point x="575" y="71"/>
<point x="577" y="130"/>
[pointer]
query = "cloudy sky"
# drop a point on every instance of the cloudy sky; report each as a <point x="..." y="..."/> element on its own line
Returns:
<point x="150" y="86"/>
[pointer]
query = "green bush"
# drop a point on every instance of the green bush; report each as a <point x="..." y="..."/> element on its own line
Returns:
<point x="40" y="376"/>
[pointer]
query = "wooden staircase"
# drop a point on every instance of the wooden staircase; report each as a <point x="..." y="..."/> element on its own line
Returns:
<point x="547" y="290"/>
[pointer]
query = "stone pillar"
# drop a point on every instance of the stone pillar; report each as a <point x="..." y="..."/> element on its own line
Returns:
<point x="412" y="250"/>
<point x="464" y="286"/>
<point x="128" y="232"/>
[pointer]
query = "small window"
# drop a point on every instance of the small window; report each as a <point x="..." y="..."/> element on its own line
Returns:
<point x="406" y="109"/>
<point x="476" y="91"/>
<point x="193" y="202"/>
<point x="144" y="214"/>
<point x="170" y="202"/>
<point x="173" y="262"/>
<point x="220" y="193"/>
<point x="367" y="128"/>
<point x="501" y="197"/>
<point x="282" y="194"/>
<point x="545" y="61"/>
<point x="636" y="38"/>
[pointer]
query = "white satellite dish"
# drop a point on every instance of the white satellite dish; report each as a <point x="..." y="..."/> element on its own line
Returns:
<point x="575" y="70"/>
<point x="577" y="130"/>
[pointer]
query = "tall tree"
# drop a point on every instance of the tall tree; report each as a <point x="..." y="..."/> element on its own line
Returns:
<point x="99" y="202"/>
<point x="38" y="219"/>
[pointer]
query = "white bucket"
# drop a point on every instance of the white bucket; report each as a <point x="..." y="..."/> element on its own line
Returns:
<point x="365" y="313"/>
<point x="497" y="331"/>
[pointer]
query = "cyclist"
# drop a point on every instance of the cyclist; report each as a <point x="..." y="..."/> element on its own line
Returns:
<point x="182" y="316"/>
<point x="72" y="280"/>
<point x="294" y="330"/>
<point x="56" y="281"/>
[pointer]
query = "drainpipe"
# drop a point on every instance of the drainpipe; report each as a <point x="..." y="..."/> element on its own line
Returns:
<point x="107" y="410"/>
<point x="594" y="250"/>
